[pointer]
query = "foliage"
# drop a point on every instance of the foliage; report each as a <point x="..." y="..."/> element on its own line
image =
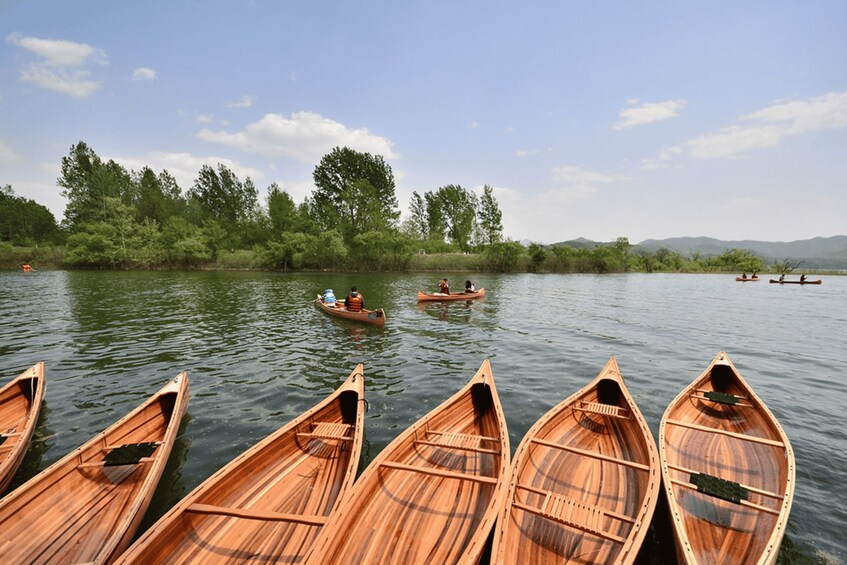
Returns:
<point x="25" y="222"/>
<point x="490" y="217"/>
<point x="504" y="257"/>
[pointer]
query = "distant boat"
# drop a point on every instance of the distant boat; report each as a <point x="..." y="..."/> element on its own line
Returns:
<point x="20" y="404"/>
<point x="442" y="297"/>
<point x="585" y="481"/>
<point x="728" y="471"/>
<point x="776" y="281"/>
<point x="747" y="279"/>
<point x="432" y="495"/>
<point x="86" y="507"/>
<point x="373" y="317"/>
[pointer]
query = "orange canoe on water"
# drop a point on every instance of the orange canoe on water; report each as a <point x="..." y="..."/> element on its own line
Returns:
<point x="728" y="471"/>
<point x="584" y="483"/>
<point x="432" y="495"/>
<point x="86" y="507"/>
<point x="373" y="317"/>
<point x="441" y="297"/>
<point x="20" y="404"/>
<point x="269" y="503"/>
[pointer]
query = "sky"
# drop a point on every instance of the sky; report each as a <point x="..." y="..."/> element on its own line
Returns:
<point x="642" y="119"/>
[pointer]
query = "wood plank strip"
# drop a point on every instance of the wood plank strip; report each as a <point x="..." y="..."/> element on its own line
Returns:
<point x="599" y="533"/>
<point x="321" y="436"/>
<point x="748" y="487"/>
<point x="612" y="513"/>
<point x="624" y="462"/>
<point x="439" y="472"/>
<point x="461" y="447"/>
<point x="736" y="435"/>
<point x="264" y="515"/>
<point x="744" y="503"/>
<point x="483" y="438"/>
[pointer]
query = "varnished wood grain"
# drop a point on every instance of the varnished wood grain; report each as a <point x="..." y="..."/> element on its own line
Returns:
<point x="584" y="483"/>
<point x="20" y="404"/>
<point x="432" y="495"/>
<point x="742" y="443"/>
<point x="79" y="511"/>
<point x="269" y="503"/>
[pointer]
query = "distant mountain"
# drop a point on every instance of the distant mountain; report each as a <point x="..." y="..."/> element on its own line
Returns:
<point x="817" y="253"/>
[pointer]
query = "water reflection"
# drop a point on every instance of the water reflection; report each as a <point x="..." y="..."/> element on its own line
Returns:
<point x="40" y="443"/>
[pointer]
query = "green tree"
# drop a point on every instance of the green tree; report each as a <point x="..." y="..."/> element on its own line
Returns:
<point x="354" y="192"/>
<point x="158" y="197"/>
<point x="458" y="207"/>
<point x="223" y="197"/>
<point x="436" y="222"/>
<point x="282" y="210"/>
<point x="490" y="217"/>
<point x="537" y="256"/>
<point x="24" y="221"/>
<point x="416" y="225"/>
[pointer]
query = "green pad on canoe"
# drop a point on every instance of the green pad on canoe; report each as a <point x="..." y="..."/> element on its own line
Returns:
<point x="720" y="488"/>
<point x="129" y="454"/>
<point x="721" y="397"/>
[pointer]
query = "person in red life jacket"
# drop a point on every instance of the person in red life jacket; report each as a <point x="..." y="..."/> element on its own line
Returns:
<point x="354" y="301"/>
<point x="27" y="268"/>
<point x="444" y="286"/>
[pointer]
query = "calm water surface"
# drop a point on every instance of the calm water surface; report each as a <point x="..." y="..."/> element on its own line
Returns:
<point x="258" y="353"/>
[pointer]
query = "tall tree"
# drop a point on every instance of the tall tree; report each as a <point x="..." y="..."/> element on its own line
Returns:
<point x="24" y="221"/>
<point x="223" y="197"/>
<point x="490" y="217"/>
<point x="459" y="209"/>
<point x="281" y="209"/>
<point x="354" y="192"/>
<point x="158" y="197"/>
<point x="416" y="225"/>
<point x="435" y="220"/>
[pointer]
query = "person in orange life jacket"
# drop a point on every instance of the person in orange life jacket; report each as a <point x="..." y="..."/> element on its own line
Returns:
<point x="354" y="301"/>
<point x="444" y="286"/>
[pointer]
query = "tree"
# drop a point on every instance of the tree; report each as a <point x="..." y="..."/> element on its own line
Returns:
<point x="24" y="221"/>
<point x="436" y="223"/>
<point x="458" y="207"/>
<point x="354" y="193"/>
<point x="281" y="209"/>
<point x="416" y="226"/>
<point x="157" y="197"/>
<point x="490" y="217"/>
<point x="223" y="197"/>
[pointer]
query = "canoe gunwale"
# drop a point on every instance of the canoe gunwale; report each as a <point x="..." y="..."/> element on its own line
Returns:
<point x="453" y="296"/>
<point x="684" y="548"/>
<point x="363" y="316"/>
<point x="16" y="452"/>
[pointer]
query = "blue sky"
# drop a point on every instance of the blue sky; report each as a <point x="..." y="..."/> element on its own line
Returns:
<point x="589" y="119"/>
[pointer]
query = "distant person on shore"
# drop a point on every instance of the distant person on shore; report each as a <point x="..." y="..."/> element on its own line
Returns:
<point x="354" y="301"/>
<point x="444" y="286"/>
<point x="469" y="287"/>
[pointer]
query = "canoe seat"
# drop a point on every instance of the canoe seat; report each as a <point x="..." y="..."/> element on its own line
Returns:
<point x="720" y="488"/>
<point x="456" y="440"/>
<point x="603" y="409"/>
<point x="328" y="430"/>
<point x="574" y="513"/>
<point x="130" y="453"/>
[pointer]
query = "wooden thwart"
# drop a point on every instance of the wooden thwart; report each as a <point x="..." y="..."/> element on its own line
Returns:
<point x="455" y="440"/>
<point x="748" y="487"/>
<point x="328" y="430"/>
<point x="263" y="515"/>
<point x="744" y="437"/>
<point x="593" y="454"/>
<point x="743" y="503"/>
<point x="603" y="409"/>
<point x="570" y="512"/>
<point x="439" y="472"/>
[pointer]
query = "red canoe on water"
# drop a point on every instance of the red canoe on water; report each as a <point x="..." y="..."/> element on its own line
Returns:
<point x="774" y="281"/>
<point x="441" y="297"/>
<point x="374" y="317"/>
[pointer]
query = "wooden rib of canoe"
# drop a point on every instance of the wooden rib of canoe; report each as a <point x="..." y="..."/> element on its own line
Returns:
<point x="432" y="495"/>
<point x="20" y="404"/>
<point x="747" y="279"/>
<point x="375" y="317"/>
<point x="441" y="297"/>
<point x="269" y="503"/>
<point x="584" y="483"/>
<point x="86" y="507"/>
<point x="728" y="470"/>
<point x="775" y="281"/>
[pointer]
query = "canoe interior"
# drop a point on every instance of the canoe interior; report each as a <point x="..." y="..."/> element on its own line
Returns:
<point x="239" y="514"/>
<point x="373" y="317"/>
<point x="758" y="457"/>
<point x="566" y="504"/>
<point x="80" y="511"/>
<point x="431" y="496"/>
<point x="20" y="403"/>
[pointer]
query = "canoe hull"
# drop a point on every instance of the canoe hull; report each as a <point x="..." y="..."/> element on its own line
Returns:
<point x="373" y="317"/>
<point x="718" y="428"/>
<point x="432" y="495"/>
<point x="81" y="509"/>
<point x="817" y="281"/>
<point x="248" y="510"/>
<point x="585" y="481"/>
<point x="748" y="279"/>
<point x="453" y="296"/>
<point x="20" y="405"/>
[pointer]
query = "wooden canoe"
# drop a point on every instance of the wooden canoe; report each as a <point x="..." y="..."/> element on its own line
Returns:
<point x="728" y="470"/>
<point x="86" y="507"/>
<point x="584" y="483"/>
<point x="269" y="503"/>
<point x="747" y="279"/>
<point x="432" y="495"/>
<point x="441" y="297"/>
<point x="375" y="317"/>
<point x="20" y="404"/>
<point x="775" y="281"/>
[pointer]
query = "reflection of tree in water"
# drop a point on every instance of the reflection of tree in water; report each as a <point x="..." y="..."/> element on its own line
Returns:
<point x="38" y="446"/>
<point x="171" y="487"/>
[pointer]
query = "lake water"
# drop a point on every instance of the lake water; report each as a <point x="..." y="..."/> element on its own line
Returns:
<point x="258" y="353"/>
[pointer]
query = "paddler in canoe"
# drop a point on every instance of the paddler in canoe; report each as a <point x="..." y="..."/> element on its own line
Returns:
<point x="354" y="302"/>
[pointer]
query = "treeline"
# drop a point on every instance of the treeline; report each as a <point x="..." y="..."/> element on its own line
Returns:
<point x="119" y="219"/>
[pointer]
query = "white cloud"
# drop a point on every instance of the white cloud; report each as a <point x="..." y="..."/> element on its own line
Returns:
<point x="575" y="175"/>
<point x="648" y="113"/>
<point x="7" y="154"/>
<point x="184" y="166"/>
<point x="143" y="73"/>
<point x="245" y="102"/>
<point x="305" y="136"/>
<point x="60" y="67"/>
<point x="204" y="118"/>
<point x="767" y="128"/>
<point x="474" y="124"/>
